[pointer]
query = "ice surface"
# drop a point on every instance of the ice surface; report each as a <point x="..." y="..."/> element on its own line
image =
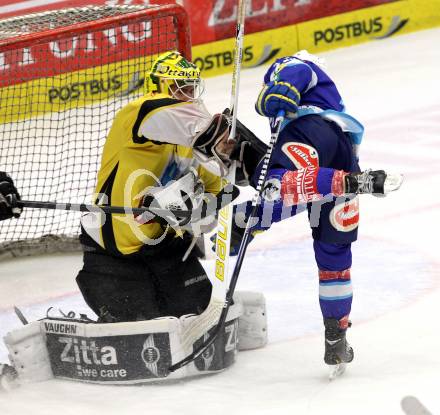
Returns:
<point x="393" y="87"/>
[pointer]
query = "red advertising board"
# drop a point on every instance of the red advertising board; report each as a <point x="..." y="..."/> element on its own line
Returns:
<point x="215" y="19"/>
<point x="10" y="8"/>
<point x="79" y="52"/>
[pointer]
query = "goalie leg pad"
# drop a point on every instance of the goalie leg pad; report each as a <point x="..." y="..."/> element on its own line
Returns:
<point x="115" y="353"/>
<point x="28" y="353"/>
<point x="132" y="352"/>
<point x="252" y="323"/>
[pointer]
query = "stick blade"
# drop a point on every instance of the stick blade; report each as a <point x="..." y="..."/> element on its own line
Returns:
<point x="20" y="316"/>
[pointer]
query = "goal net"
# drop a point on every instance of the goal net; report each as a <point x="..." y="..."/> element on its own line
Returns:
<point x="63" y="76"/>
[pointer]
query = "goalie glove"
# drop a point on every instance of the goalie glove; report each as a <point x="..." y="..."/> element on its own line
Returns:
<point x="206" y="145"/>
<point x="187" y="194"/>
<point x="8" y="198"/>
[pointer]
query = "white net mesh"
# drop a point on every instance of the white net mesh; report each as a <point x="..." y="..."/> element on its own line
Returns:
<point x="58" y="100"/>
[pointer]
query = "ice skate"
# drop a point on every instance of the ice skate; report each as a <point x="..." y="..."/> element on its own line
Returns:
<point x="337" y="350"/>
<point x="377" y="183"/>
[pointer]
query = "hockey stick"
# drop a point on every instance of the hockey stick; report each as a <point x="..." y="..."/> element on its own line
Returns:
<point x="238" y="58"/>
<point x="82" y="207"/>
<point x="224" y="198"/>
<point x="275" y="127"/>
<point x="200" y="325"/>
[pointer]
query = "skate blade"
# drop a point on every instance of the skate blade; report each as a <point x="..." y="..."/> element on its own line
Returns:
<point x="392" y="182"/>
<point x="336" y="370"/>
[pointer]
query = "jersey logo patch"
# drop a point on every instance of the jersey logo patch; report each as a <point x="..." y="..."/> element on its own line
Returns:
<point x="345" y="217"/>
<point x="301" y="155"/>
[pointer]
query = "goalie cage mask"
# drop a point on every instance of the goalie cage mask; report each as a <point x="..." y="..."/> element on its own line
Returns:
<point x="173" y="75"/>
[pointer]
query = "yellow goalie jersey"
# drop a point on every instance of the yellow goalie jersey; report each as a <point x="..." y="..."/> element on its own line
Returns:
<point x="148" y="145"/>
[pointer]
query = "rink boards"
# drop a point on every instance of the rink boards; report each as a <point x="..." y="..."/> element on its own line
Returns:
<point x="342" y="30"/>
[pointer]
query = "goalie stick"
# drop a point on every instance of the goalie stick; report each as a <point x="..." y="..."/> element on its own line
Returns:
<point x="275" y="127"/>
<point x="212" y="315"/>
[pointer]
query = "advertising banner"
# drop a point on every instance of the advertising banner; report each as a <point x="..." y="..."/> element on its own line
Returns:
<point x="73" y="89"/>
<point x="346" y="29"/>
<point x="213" y="20"/>
<point x="372" y="24"/>
<point x="10" y="8"/>
<point x="275" y="27"/>
<point x="80" y="52"/>
<point x="259" y="48"/>
<point x="123" y="354"/>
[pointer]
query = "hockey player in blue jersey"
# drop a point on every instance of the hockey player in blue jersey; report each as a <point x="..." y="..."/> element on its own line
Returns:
<point x="314" y="165"/>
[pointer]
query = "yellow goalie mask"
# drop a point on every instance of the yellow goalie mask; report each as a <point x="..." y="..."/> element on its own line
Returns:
<point x="173" y="75"/>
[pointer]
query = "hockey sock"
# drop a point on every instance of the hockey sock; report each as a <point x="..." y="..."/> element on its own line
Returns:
<point x="335" y="289"/>
<point x="311" y="184"/>
<point x="335" y="293"/>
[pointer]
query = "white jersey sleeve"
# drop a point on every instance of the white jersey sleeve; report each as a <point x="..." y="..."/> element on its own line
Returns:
<point x="175" y="124"/>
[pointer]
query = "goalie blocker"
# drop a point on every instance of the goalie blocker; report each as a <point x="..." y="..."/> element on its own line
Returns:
<point x="134" y="352"/>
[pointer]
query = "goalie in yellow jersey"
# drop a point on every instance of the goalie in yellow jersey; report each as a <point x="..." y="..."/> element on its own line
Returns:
<point x="139" y="268"/>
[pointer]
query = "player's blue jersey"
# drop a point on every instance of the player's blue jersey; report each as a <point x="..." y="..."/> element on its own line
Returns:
<point x="315" y="87"/>
<point x="317" y="93"/>
<point x="317" y="138"/>
<point x="319" y="134"/>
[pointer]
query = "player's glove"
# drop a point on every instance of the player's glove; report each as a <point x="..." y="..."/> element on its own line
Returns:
<point x="277" y="96"/>
<point x="8" y="198"/>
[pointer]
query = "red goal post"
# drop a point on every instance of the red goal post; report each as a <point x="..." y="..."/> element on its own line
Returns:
<point x="63" y="76"/>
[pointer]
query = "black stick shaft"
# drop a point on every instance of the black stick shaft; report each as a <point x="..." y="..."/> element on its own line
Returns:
<point x="81" y="207"/>
<point x="224" y="197"/>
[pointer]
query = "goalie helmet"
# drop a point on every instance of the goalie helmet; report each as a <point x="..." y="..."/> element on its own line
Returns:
<point x="173" y="75"/>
